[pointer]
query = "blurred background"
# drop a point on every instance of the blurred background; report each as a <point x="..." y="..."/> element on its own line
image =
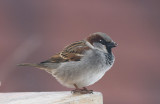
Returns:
<point x="34" y="30"/>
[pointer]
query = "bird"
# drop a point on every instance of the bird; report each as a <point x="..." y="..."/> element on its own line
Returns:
<point x="82" y="63"/>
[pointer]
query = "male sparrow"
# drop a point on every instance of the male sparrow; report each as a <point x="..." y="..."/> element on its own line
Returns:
<point x="81" y="63"/>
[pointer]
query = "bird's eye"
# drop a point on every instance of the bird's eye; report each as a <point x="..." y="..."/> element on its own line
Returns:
<point x="102" y="41"/>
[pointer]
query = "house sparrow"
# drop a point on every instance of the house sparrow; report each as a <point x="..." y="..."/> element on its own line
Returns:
<point x="81" y="63"/>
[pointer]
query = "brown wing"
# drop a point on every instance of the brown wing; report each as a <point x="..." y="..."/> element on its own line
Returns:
<point x="73" y="52"/>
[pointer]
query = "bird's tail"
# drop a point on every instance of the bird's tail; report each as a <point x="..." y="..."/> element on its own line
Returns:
<point x="39" y="66"/>
<point x="29" y="64"/>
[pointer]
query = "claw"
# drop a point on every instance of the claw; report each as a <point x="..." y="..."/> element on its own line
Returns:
<point x="81" y="91"/>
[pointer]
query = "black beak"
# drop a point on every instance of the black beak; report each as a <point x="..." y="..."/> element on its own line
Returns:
<point x="112" y="44"/>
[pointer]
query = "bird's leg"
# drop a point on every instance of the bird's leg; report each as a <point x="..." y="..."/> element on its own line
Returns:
<point x="77" y="90"/>
<point x="82" y="91"/>
<point x="87" y="91"/>
<point x="84" y="88"/>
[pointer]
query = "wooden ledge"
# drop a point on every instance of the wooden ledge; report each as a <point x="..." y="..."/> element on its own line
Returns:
<point x="50" y="98"/>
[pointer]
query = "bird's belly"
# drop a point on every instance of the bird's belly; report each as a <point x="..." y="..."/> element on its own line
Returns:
<point x="89" y="78"/>
<point x="80" y="78"/>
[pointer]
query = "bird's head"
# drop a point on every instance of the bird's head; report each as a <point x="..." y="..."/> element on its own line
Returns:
<point x="101" y="41"/>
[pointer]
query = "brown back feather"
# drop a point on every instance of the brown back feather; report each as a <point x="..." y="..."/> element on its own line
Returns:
<point x="72" y="52"/>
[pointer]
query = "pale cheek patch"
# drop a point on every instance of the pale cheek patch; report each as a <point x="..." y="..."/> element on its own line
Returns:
<point x="104" y="48"/>
<point x="100" y="47"/>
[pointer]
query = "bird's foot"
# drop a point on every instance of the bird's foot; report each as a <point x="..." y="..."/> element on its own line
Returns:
<point x="85" y="90"/>
<point x="82" y="91"/>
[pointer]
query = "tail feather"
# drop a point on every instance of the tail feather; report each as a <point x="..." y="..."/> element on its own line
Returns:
<point x="40" y="66"/>
<point x="29" y="64"/>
